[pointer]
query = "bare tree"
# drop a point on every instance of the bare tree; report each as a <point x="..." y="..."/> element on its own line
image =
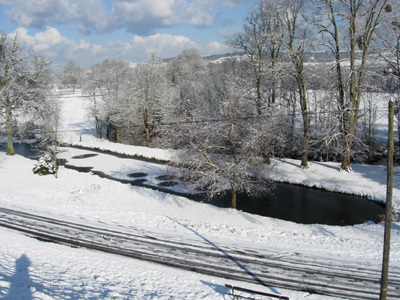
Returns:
<point x="117" y="76"/>
<point x="46" y="110"/>
<point x="147" y="90"/>
<point x="72" y="75"/>
<point x="227" y="151"/>
<point x="389" y="35"/>
<point x="369" y="113"/>
<point x="12" y="60"/>
<point x="361" y="18"/>
<point x="94" y="87"/>
<point x="188" y="72"/>
<point x="105" y="84"/>
<point x="296" y="42"/>
<point x="25" y="85"/>
<point x="261" y="40"/>
<point x="187" y="92"/>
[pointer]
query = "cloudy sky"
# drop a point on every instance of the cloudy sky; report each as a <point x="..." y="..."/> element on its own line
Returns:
<point x="89" y="31"/>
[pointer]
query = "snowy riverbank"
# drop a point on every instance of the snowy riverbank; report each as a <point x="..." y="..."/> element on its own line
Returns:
<point x="37" y="270"/>
<point x="365" y="180"/>
<point x="81" y="197"/>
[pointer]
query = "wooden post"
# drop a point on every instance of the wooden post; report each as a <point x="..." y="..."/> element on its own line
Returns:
<point x="388" y="219"/>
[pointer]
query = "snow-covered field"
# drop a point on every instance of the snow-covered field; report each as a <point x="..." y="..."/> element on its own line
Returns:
<point x="31" y="269"/>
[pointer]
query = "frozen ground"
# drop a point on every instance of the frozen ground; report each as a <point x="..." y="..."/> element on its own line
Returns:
<point x="32" y="269"/>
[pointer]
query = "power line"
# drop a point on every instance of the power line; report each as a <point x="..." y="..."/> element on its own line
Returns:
<point x="202" y="121"/>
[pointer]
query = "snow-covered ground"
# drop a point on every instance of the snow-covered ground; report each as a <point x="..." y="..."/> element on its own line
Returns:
<point x="366" y="180"/>
<point x="31" y="269"/>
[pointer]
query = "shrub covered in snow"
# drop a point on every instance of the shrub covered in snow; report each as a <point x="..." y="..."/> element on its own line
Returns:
<point x="45" y="165"/>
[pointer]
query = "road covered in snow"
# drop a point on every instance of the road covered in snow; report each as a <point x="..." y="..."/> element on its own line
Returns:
<point x="292" y="270"/>
<point x="36" y="269"/>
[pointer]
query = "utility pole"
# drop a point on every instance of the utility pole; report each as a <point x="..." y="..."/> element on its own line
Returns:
<point x="388" y="219"/>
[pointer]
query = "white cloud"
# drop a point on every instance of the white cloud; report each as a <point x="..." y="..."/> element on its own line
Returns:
<point x="22" y="34"/>
<point x="39" y="12"/>
<point x="93" y="16"/>
<point x="163" y="45"/>
<point x="142" y="47"/>
<point x="199" y="13"/>
<point x="46" y="39"/>
<point x="203" y="13"/>
<point x="41" y="41"/>
<point x="138" y="16"/>
<point x="199" y="18"/>
<point x="227" y="32"/>
<point x="233" y="3"/>
<point x="99" y="16"/>
<point x="215" y="47"/>
<point x="157" y="12"/>
<point x="51" y="44"/>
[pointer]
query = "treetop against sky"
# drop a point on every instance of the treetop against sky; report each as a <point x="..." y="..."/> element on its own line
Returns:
<point x="89" y="31"/>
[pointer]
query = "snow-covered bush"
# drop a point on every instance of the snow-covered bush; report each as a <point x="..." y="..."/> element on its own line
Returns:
<point x="45" y="165"/>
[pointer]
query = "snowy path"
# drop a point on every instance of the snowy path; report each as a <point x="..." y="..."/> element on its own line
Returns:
<point x="320" y="275"/>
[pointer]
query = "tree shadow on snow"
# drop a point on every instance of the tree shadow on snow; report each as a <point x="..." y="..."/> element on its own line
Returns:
<point x="219" y="289"/>
<point x="394" y="226"/>
<point x="326" y="165"/>
<point x="229" y="256"/>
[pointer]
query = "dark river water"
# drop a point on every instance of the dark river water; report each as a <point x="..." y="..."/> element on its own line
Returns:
<point x="287" y="202"/>
<point x="25" y="150"/>
<point x="308" y="206"/>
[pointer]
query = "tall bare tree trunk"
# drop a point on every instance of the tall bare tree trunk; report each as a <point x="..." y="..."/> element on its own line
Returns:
<point x="360" y="35"/>
<point x="297" y="45"/>
<point x="259" y="96"/>
<point x="348" y="131"/>
<point x="147" y="136"/>
<point x="234" y="199"/>
<point x="147" y="126"/>
<point x="9" y="128"/>
<point x="131" y="132"/>
<point x="55" y="154"/>
<point x="304" y="155"/>
<point x="346" y="162"/>
<point x="99" y="132"/>
<point x="306" y="122"/>
<point x="274" y="79"/>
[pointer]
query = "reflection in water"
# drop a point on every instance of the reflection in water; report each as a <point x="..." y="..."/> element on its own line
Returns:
<point x="25" y="150"/>
<point x="311" y="206"/>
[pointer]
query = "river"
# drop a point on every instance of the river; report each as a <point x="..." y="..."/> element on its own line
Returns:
<point x="287" y="202"/>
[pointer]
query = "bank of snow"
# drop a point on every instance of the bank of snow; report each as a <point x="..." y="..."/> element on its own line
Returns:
<point x="365" y="180"/>
<point x="30" y="269"/>
<point x="58" y="272"/>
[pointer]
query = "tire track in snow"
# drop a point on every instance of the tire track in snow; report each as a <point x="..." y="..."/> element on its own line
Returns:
<point x="289" y="270"/>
